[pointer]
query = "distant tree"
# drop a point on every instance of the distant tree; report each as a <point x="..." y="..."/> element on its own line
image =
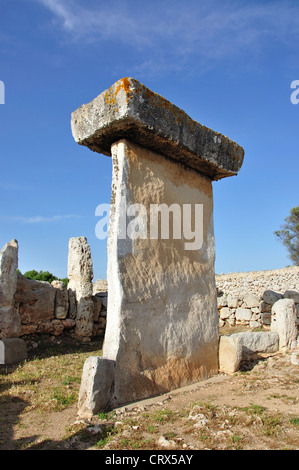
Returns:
<point x="40" y="276"/>
<point x="65" y="280"/>
<point x="289" y="235"/>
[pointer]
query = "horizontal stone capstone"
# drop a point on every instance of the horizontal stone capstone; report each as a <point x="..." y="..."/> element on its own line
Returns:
<point x="129" y="110"/>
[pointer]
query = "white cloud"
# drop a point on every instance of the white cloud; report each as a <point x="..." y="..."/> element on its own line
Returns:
<point x="168" y="30"/>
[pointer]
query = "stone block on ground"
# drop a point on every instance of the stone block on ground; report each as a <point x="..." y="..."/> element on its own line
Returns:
<point x="230" y="353"/>
<point x="96" y="384"/>
<point x="257" y="342"/>
<point x="240" y="346"/>
<point x="12" y="351"/>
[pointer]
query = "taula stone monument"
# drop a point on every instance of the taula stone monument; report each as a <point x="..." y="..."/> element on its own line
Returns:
<point x="162" y="320"/>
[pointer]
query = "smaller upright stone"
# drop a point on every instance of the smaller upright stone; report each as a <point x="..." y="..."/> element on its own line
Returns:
<point x="230" y="353"/>
<point x="284" y="322"/>
<point x="96" y="385"/>
<point x="8" y="272"/>
<point x="10" y="323"/>
<point x="80" y="274"/>
<point x="61" y="300"/>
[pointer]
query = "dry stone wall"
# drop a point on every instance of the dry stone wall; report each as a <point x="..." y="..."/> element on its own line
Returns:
<point x="29" y="307"/>
<point x="248" y="298"/>
<point x="51" y="309"/>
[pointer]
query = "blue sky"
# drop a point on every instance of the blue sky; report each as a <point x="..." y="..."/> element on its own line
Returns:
<point x="228" y="64"/>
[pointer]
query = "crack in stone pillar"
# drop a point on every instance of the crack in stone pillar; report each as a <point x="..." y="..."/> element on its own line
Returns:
<point x="162" y="319"/>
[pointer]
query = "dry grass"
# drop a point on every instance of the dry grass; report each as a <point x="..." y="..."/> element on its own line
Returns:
<point x="255" y="409"/>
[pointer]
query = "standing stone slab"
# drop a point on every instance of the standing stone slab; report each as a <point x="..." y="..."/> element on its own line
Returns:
<point x="80" y="274"/>
<point x="10" y="322"/>
<point x="162" y="320"/>
<point x="284" y="322"/>
<point x="61" y="300"/>
<point x="96" y="386"/>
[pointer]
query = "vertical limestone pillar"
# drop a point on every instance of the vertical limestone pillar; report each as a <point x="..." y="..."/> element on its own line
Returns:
<point x="10" y="320"/>
<point x="80" y="274"/>
<point x="162" y="319"/>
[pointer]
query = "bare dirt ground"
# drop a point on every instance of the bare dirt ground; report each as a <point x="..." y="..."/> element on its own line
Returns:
<point x="257" y="408"/>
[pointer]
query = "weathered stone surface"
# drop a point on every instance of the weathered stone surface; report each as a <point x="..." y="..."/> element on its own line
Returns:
<point x="68" y="323"/>
<point x="284" y="322"/>
<point x="230" y="353"/>
<point x="232" y="301"/>
<point x="256" y="342"/>
<point x="100" y="285"/>
<point x="222" y="301"/>
<point x="96" y="386"/>
<point x="80" y="269"/>
<point x="80" y="274"/>
<point x="270" y="297"/>
<point x="240" y="346"/>
<point x="129" y="110"/>
<point x="257" y="282"/>
<point x="172" y="341"/>
<point x="97" y="306"/>
<point x="225" y="313"/>
<point x="291" y="294"/>
<point x="61" y="300"/>
<point x="243" y="314"/>
<point x="160" y="157"/>
<point x="36" y="300"/>
<point x="8" y="273"/>
<point x="10" y="322"/>
<point x="251" y="301"/>
<point x="12" y="350"/>
<point x="266" y="318"/>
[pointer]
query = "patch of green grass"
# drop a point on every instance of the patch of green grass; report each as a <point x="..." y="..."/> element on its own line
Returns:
<point x="207" y="405"/>
<point x="237" y="441"/>
<point x="295" y="422"/>
<point x="162" y="416"/>
<point x="62" y="398"/>
<point x="170" y="435"/>
<point x="68" y="380"/>
<point x="271" y="424"/>
<point x="254" y="409"/>
<point x="152" y="429"/>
